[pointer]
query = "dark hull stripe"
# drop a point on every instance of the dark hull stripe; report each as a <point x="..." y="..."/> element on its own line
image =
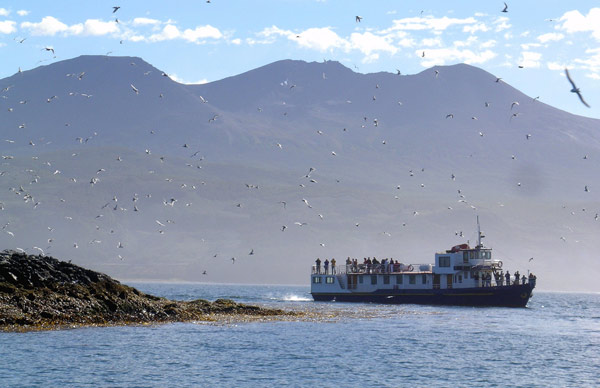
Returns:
<point x="507" y="296"/>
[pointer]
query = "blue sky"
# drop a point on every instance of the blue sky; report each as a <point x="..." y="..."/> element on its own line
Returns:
<point x="196" y="41"/>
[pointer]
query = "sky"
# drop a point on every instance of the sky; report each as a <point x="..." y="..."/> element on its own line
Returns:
<point x="529" y="46"/>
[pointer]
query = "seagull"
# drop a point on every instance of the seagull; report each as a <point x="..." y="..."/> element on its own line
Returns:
<point x="575" y="89"/>
<point x="505" y="8"/>
<point x="358" y="19"/>
<point x="530" y="259"/>
<point x="283" y="203"/>
<point x="498" y="80"/>
<point x="134" y="89"/>
<point x="449" y="116"/>
<point x="513" y="104"/>
<point x="233" y="260"/>
<point x="586" y="189"/>
<point x="283" y="228"/>
<point x="115" y="9"/>
<point x="251" y="252"/>
<point x="49" y="49"/>
<point x="300" y="223"/>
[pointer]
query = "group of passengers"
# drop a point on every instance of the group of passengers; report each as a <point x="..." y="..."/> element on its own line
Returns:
<point x="325" y="266"/>
<point x="372" y="265"/>
<point x="500" y="277"/>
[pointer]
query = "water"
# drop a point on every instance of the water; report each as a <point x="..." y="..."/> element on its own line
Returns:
<point x="553" y="342"/>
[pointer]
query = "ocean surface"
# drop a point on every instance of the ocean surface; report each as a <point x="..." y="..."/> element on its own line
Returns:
<point x="555" y="341"/>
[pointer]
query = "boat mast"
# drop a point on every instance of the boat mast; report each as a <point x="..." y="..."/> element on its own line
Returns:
<point x="479" y="235"/>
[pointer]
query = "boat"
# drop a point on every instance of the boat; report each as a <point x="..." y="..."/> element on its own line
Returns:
<point x="460" y="276"/>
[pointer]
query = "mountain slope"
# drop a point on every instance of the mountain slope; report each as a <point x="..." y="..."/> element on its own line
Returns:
<point x="180" y="173"/>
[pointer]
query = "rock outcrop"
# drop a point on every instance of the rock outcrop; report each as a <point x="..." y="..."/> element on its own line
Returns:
<point x="43" y="292"/>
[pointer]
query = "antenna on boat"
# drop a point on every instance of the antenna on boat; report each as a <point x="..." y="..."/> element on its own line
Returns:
<point x="479" y="235"/>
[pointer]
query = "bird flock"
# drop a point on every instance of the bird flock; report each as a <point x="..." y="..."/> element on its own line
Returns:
<point x="22" y="184"/>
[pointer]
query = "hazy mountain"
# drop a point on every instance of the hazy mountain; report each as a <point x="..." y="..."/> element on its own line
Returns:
<point x="229" y="152"/>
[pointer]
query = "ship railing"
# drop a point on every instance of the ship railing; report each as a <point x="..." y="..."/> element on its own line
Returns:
<point x="321" y="270"/>
<point x="363" y="269"/>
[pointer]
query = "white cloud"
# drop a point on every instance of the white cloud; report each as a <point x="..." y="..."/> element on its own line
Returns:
<point x="48" y="26"/>
<point x="430" y="42"/>
<point x="175" y="78"/>
<point x="170" y="32"/>
<point x="4" y="12"/>
<point x="530" y="59"/>
<point x="7" y="27"/>
<point x="97" y="27"/>
<point x="201" y="32"/>
<point x="527" y="46"/>
<point x="368" y="43"/>
<point x="489" y="44"/>
<point x="321" y="39"/>
<point x="502" y="24"/>
<point x="429" y="23"/>
<point x="550" y="37"/>
<point x="22" y="12"/>
<point x="444" y="55"/>
<point x="555" y="66"/>
<point x="476" y="27"/>
<point x="145" y="22"/>
<point x="574" y="21"/>
<point x="595" y="76"/>
<point x="236" y="41"/>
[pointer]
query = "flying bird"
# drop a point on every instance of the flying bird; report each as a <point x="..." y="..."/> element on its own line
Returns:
<point x="115" y="9"/>
<point x="134" y="89"/>
<point x="575" y="89"/>
<point x="358" y="19"/>
<point x="505" y="8"/>
<point x="49" y="49"/>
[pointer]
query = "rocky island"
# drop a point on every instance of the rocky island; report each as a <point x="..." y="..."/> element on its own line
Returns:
<point x="39" y="292"/>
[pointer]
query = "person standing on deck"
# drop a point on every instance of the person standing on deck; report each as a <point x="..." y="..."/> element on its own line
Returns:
<point x="326" y="266"/>
<point x="318" y="262"/>
<point x="516" y="278"/>
<point x="333" y="266"/>
<point x="507" y="276"/>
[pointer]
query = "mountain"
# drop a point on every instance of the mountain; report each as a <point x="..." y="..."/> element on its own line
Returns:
<point x="411" y="159"/>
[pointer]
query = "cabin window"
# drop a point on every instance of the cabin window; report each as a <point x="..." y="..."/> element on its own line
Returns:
<point x="460" y="278"/>
<point x="471" y="255"/>
<point x="373" y="279"/>
<point x="444" y="261"/>
<point x="465" y="257"/>
<point x="360" y="279"/>
<point x="424" y="279"/>
<point x="466" y="275"/>
<point x="386" y="279"/>
<point x="329" y="280"/>
<point x="317" y="279"/>
<point x="412" y="279"/>
<point x="398" y="279"/>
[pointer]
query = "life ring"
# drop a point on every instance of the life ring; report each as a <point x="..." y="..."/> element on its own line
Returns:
<point x="500" y="264"/>
<point x="410" y="268"/>
<point x="524" y="295"/>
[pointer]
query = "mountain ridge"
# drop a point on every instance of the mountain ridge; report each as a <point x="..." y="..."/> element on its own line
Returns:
<point x="410" y="159"/>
